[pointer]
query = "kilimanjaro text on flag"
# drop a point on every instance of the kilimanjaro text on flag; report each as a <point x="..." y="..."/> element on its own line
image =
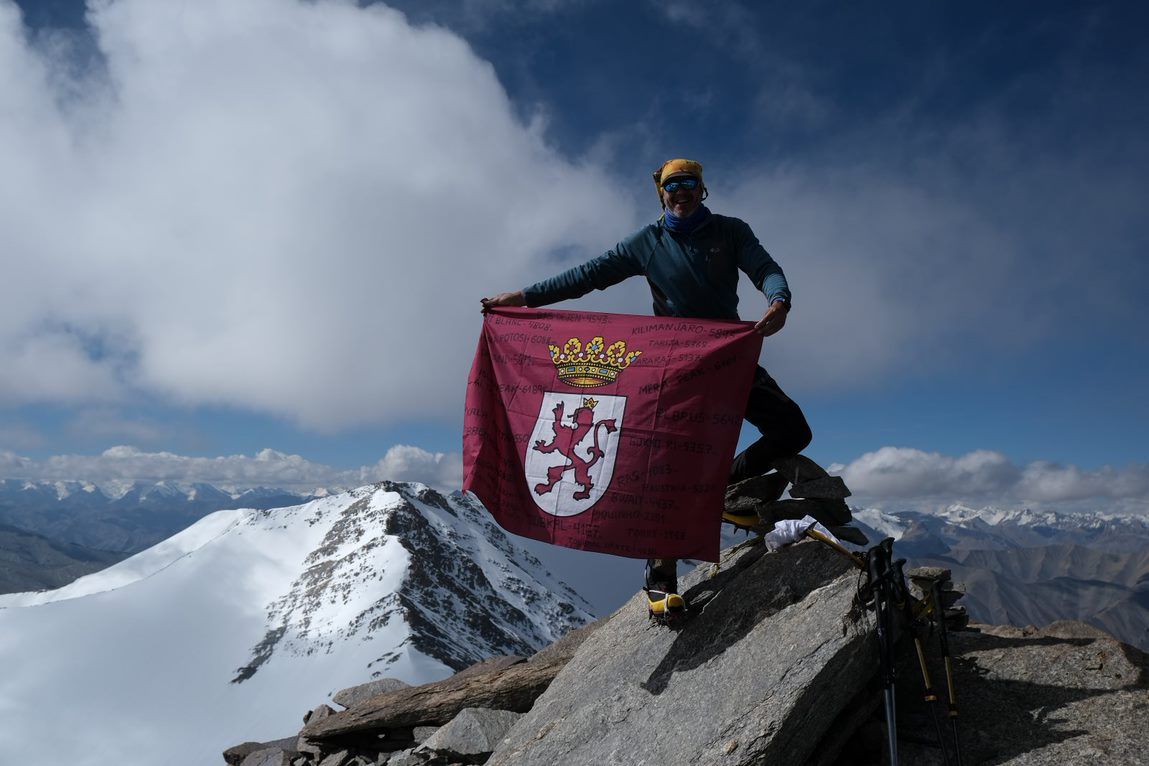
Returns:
<point x="607" y="432"/>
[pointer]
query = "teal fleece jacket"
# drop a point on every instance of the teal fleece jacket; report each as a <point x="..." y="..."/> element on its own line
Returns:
<point x="690" y="275"/>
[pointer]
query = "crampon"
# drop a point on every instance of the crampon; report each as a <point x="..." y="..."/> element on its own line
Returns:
<point x="663" y="603"/>
<point x="665" y="608"/>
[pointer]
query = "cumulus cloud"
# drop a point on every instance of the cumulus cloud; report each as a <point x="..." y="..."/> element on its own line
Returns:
<point x="901" y="473"/>
<point x="406" y="463"/>
<point x="286" y="206"/>
<point x="266" y="468"/>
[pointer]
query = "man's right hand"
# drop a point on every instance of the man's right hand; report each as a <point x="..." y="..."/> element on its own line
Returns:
<point x="503" y="299"/>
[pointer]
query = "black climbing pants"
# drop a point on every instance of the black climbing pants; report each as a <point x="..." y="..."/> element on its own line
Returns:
<point x="784" y="429"/>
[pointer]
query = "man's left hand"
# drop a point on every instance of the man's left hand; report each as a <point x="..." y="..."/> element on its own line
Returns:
<point x="774" y="319"/>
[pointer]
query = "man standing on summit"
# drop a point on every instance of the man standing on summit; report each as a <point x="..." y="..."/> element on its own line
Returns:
<point x="691" y="259"/>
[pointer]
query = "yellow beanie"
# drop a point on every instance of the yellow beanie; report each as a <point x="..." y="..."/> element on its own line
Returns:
<point x="676" y="167"/>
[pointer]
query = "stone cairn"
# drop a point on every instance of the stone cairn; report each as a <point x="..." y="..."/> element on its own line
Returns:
<point x="922" y="581"/>
<point x="813" y="492"/>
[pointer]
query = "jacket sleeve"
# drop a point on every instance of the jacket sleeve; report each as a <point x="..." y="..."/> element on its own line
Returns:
<point x="599" y="273"/>
<point x="757" y="264"/>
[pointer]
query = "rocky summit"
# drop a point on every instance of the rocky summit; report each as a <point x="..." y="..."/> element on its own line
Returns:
<point x="752" y="678"/>
<point x="776" y="664"/>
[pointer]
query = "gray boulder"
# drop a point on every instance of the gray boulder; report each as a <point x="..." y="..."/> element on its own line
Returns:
<point x="356" y="694"/>
<point x="757" y="675"/>
<point x="271" y="756"/>
<point x="800" y="469"/>
<point x="828" y="488"/>
<point x="318" y="714"/>
<point x="402" y="758"/>
<point x="234" y="756"/>
<point x="338" y="758"/>
<point x="423" y="733"/>
<point x="471" y="735"/>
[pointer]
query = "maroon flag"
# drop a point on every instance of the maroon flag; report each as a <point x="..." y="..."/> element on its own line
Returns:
<point x="607" y="432"/>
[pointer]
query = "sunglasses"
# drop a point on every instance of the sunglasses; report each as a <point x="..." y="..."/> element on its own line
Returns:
<point x="690" y="184"/>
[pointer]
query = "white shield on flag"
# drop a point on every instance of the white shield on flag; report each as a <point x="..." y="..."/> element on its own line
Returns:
<point x="570" y="457"/>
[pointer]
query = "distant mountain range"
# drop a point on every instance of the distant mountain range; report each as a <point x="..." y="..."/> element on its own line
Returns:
<point x="53" y="532"/>
<point x="1021" y="567"/>
<point x="123" y="516"/>
<point x="223" y="631"/>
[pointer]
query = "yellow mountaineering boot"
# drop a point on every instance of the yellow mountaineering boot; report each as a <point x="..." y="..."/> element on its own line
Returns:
<point x="664" y="604"/>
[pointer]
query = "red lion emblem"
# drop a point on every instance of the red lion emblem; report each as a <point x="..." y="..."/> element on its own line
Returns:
<point x="566" y="438"/>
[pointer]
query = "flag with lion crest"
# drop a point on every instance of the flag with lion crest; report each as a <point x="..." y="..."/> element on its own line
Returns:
<point x="607" y="432"/>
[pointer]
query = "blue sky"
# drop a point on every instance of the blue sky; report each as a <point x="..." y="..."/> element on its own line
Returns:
<point x="246" y="216"/>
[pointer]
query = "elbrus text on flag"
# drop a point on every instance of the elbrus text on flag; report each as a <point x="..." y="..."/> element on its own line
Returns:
<point x="607" y="432"/>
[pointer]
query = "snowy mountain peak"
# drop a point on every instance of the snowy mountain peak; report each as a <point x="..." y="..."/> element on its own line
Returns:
<point x="402" y="557"/>
<point x="266" y="610"/>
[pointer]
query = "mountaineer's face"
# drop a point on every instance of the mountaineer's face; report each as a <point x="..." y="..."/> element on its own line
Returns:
<point x="679" y="198"/>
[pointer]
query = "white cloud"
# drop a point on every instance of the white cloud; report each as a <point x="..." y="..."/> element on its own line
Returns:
<point x="280" y="205"/>
<point x="406" y="463"/>
<point x="267" y="468"/>
<point x="901" y="473"/>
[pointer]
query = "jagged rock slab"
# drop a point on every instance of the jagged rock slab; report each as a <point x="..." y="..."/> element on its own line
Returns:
<point x="757" y="675"/>
<point x="471" y="735"/>
<point x="271" y="756"/>
<point x="404" y="758"/>
<point x="748" y="494"/>
<point x="335" y="759"/>
<point x="1068" y="693"/>
<point x="505" y="687"/>
<point x="234" y="756"/>
<point x="827" y="488"/>
<point x="356" y="694"/>
<point x="799" y="469"/>
<point x="318" y="713"/>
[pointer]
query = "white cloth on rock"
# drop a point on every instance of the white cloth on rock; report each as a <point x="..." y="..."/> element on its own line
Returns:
<point x="792" y="530"/>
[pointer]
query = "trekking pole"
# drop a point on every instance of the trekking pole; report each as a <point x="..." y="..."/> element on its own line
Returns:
<point x="878" y="559"/>
<point x="930" y="698"/>
<point x="927" y="685"/>
<point x="939" y="613"/>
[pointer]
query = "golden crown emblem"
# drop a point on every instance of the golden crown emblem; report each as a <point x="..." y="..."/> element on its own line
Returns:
<point x="592" y="365"/>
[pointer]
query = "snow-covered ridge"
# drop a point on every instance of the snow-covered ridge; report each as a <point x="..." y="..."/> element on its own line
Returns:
<point x="138" y="567"/>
